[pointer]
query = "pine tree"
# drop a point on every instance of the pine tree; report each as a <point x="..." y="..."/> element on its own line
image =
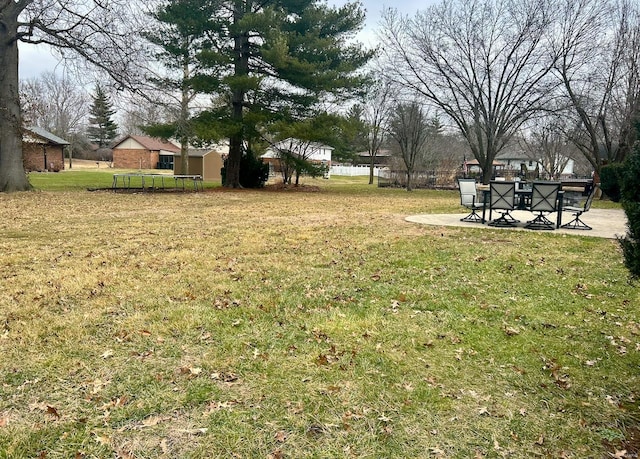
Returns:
<point x="274" y="60"/>
<point x="102" y="129"/>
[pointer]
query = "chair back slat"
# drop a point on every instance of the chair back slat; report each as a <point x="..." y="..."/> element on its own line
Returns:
<point x="544" y="196"/>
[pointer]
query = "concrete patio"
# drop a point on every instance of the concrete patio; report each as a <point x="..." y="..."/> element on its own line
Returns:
<point x="606" y="223"/>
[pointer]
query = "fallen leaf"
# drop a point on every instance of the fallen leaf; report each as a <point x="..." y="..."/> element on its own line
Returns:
<point x="3" y="422"/>
<point x="154" y="420"/>
<point x="53" y="411"/>
<point x="106" y="354"/>
<point x="277" y="454"/>
<point x="281" y="436"/>
<point x="103" y="440"/>
<point x="510" y="331"/>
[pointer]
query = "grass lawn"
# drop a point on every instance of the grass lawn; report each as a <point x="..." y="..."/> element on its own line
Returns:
<point x="305" y="324"/>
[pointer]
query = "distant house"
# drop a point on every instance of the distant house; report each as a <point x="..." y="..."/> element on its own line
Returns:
<point x="42" y="151"/>
<point x="204" y="162"/>
<point x="142" y="152"/>
<point x="381" y="159"/>
<point x="519" y="160"/>
<point x="310" y="151"/>
<point x="473" y="166"/>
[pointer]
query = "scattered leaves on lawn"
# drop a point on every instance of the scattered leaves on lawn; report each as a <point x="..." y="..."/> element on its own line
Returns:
<point x="560" y="378"/>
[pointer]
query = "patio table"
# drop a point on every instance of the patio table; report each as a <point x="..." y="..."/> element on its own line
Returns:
<point x="522" y="195"/>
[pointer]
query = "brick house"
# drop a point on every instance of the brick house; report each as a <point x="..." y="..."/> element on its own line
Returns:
<point x="42" y="151"/>
<point x="142" y="152"/>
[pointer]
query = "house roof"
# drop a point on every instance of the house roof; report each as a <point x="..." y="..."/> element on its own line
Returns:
<point x="152" y="143"/>
<point x="380" y="154"/>
<point x="198" y="152"/>
<point x="514" y="154"/>
<point x="474" y="162"/>
<point x="46" y="135"/>
<point x="295" y="145"/>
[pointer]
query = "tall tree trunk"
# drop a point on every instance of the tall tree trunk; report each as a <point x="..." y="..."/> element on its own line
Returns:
<point x="184" y="128"/>
<point x="372" y="164"/>
<point x="241" y="70"/>
<point x="12" y="174"/>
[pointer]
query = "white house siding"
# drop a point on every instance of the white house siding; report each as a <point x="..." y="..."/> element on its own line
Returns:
<point x="353" y="171"/>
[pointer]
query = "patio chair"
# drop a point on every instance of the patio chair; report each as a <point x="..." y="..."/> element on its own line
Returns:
<point x="544" y="200"/>
<point x="469" y="199"/>
<point x="502" y="198"/>
<point x="576" y="223"/>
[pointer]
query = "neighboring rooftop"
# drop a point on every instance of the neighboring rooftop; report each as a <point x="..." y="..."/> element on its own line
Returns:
<point x="151" y="143"/>
<point x="46" y="135"/>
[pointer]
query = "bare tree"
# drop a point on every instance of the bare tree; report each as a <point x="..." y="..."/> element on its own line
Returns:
<point x="599" y="66"/>
<point x="376" y="113"/>
<point x="54" y="102"/>
<point x="96" y="30"/>
<point x="483" y="63"/>
<point x="408" y="127"/>
<point x="548" y="142"/>
<point x="137" y="111"/>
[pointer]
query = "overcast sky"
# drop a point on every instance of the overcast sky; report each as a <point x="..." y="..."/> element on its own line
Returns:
<point x="35" y="60"/>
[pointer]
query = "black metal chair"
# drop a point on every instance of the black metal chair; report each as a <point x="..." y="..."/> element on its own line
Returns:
<point x="544" y="200"/>
<point x="502" y="198"/>
<point x="469" y="199"/>
<point x="576" y="223"/>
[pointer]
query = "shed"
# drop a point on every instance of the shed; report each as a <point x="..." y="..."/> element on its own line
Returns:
<point x="207" y="163"/>
<point x="142" y="152"/>
<point x="42" y="150"/>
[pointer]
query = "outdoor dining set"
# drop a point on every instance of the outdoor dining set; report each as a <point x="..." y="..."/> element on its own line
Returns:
<point x="541" y="198"/>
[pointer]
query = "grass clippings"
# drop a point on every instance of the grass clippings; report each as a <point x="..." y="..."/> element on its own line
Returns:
<point x="263" y="324"/>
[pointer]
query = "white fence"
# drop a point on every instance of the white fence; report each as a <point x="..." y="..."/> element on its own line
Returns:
<point x="352" y="171"/>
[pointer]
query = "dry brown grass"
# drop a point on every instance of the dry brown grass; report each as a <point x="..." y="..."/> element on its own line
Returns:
<point x="304" y="324"/>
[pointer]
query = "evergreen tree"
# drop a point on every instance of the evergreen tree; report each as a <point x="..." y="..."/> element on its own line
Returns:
<point x="630" y="194"/>
<point x="275" y="60"/>
<point x="102" y="129"/>
<point x="180" y="32"/>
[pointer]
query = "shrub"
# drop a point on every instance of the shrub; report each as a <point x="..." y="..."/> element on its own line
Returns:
<point x="610" y="178"/>
<point x="630" y="196"/>
<point x="253" y="172"/>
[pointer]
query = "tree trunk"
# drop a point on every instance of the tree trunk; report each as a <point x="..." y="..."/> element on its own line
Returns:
<point x="12" y="174"/>
<point x="241" y="70"/>
<point x="185" y="129"/>
<point x="487" y="173"/>
<point x="371" y="166"/>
